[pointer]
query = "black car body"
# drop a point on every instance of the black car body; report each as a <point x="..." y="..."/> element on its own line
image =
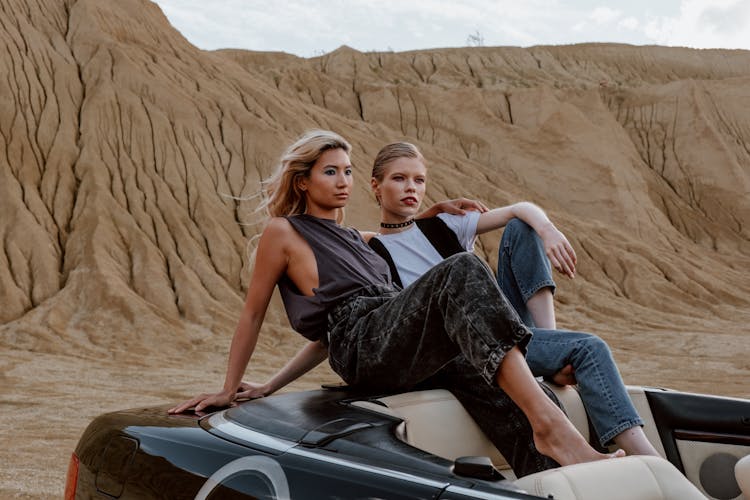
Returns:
<point x="337" y="444"/>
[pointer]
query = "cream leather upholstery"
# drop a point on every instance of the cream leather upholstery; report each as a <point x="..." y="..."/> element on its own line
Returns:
<point x="742" y="473"/>
<point x="634" y="477"/>
<point x="695" y="453"/>
<point x="428" y="414"/>
<point x="436" y="422"/>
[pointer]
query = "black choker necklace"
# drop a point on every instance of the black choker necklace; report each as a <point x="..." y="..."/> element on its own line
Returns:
<point x="399" y="225"/>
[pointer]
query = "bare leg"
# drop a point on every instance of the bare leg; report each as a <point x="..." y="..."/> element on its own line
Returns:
<point x="554" y="435"/>
<point x="635" y="442"/>
<point x="542" y="309"/>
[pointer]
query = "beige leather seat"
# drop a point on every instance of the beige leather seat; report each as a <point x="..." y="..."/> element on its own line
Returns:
<point x="427" y="414"/>
<point x="742" y="473"/>
<point x="628" y="478"/>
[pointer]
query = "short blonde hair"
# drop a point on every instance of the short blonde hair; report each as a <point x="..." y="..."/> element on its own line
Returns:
<point x="391" y="152"/>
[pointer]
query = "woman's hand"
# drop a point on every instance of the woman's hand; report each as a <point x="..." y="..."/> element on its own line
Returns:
<point x="251" y="390"/>
<point x="559" y="251"/>
<point x="218" y="399"/>
<point x="458" y="206"/>
<point x="246" y="390"/>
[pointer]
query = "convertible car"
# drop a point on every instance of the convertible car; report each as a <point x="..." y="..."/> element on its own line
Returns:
<point x="337" y="443"/>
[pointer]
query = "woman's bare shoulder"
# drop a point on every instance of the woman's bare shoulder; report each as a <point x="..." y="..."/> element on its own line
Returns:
<point x="277" y="224"/>
<point x="367" y="235"/>
<point x="278" y="230"/>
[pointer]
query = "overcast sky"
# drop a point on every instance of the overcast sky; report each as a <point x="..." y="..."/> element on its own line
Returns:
<point x="312" y="27"/>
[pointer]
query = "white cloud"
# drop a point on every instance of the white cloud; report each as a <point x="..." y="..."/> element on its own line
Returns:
<point x="579" y="27"/>
<point x="704" y="24"/>
<point x="630" y="23"/>
<point x="604" y="15"/>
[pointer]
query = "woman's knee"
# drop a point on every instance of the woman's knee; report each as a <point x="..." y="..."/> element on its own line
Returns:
<point x="517" y="225"/>
<point x="597" y="346"/>
<point x="465" y="260"/>
<point x="516" y="228"/>
<point x="518" y="236"/>
<point x="466" y="269"/>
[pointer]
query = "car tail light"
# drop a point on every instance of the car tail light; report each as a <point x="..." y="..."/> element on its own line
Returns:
<point x="72" y="480"/>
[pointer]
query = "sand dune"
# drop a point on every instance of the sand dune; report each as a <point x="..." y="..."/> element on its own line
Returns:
<point x="130" y="164"/>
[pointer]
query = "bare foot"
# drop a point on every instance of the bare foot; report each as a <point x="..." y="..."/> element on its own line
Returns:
<point x="563" y="443"/>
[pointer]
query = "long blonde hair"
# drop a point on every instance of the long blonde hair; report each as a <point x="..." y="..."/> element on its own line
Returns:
<point x="283" y="195"/>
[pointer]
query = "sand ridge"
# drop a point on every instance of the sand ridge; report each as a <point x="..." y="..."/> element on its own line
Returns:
<point x="130" y="164"/>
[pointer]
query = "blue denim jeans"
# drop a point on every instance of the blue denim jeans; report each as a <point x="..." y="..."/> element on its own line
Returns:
<point x="522" y="270"/>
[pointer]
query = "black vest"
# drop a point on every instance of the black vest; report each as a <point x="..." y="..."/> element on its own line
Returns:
<point x="437" y="232"/>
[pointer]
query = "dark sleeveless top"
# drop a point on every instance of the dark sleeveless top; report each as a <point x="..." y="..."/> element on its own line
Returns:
<point x="345" y="265"/>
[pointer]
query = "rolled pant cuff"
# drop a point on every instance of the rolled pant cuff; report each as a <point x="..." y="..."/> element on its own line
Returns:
<point x="606" y="438"/>
<point x="527" y="294"/>
<point x="497" y="355"/>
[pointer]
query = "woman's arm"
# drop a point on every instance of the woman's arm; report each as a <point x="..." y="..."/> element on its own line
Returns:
<point x="271" y="260"/>
<point x="556" y="245"/>
<point x="458" y="206"/>
<point x="305" y="360"/>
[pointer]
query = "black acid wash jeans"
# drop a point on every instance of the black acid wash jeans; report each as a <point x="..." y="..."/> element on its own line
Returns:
<point x="389" y="340"/>
<point x="450" y="328"/>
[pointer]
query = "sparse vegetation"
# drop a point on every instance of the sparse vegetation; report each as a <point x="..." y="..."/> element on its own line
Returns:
<point x="475" y="39"/>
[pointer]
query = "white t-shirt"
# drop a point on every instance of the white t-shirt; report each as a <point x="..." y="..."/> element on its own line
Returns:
<point x="413" y="253"/>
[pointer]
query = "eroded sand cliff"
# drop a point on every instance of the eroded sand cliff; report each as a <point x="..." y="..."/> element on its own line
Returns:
<point x="130" y="162"/>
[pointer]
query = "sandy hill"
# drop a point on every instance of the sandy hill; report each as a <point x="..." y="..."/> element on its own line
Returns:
<point x="130" y="164"/>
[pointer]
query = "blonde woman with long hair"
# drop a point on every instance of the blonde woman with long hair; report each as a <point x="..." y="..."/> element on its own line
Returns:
<point x="338" y="294"/>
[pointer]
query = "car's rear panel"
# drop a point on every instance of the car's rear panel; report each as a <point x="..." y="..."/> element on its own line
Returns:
<point x="295" y="446"/>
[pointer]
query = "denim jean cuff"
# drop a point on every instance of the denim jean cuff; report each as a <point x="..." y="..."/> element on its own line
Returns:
<point x="527" y="294"/>
<point x="605" y="440"/>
